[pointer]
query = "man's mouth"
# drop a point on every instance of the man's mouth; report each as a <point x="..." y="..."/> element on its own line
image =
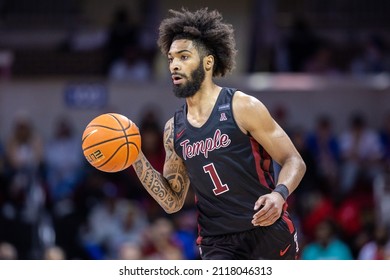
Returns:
<point x="177" y="79"/>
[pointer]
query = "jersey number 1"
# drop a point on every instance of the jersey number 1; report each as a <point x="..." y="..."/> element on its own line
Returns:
<point x="219" y="188"/>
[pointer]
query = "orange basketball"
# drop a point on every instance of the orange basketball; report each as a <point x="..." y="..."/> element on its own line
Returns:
<point x="111" y="142"/>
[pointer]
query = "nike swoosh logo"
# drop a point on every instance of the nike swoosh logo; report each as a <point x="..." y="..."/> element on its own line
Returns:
<point x="282" y="252"/>
<point x="180" y="133"/>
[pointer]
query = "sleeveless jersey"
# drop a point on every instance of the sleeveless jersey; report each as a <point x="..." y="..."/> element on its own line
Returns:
<point x="228" y="170"/>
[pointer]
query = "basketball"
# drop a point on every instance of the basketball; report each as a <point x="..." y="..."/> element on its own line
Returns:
<point x="111" y="142"/>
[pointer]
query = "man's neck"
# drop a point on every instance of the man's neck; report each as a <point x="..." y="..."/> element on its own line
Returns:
<point x="201" y="104"/>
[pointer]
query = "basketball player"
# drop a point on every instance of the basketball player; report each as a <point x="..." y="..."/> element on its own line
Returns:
<point x="222" y="142"/>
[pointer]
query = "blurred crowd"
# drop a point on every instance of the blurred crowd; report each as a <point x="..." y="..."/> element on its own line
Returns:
<point x="54" y="205"/>
<point x="126" y="49"/>
<point x="340" y="200"/>
<point x="298" y="48"/>
<point x="308" y="51"/>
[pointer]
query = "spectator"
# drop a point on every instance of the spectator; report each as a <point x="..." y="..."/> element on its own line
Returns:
<point x="130" y="251"/>
<point x="123" y="36"/>
<point x="8" y="251"/>
<point x="323" y="145"/>
<point x="26" y="196"/>
<point x="378" y="248"/>
<point x="132" y="66"/>
<point x="24" y="146"/>
<point x="161" y="243"/>
<point x="130" y="230"/>
<point x="186" y="232"/>
<point x="316" y="208"/>
<point x="381" y="198"/>
<point x="301" y="45"/>
<point x="322" y="61"/>
<point x="374" y="57"/>
<point x="152" y="144"/>
<point x="111" y="223"/>
<point x="64" y="171"/>
<point x="64" y="160"/>
<point x="327" y="244"/>
<point x="354" y="213"/>
<point x="309" y="181"/>
<point x="282" y="117"/>
<point x="54" y="253"/>
<point x="361" y="150"/>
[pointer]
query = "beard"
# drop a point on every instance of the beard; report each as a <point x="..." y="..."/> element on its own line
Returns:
<point x="193" y="84"/>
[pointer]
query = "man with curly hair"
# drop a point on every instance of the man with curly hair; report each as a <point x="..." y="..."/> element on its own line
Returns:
<point x="222" y="143"/>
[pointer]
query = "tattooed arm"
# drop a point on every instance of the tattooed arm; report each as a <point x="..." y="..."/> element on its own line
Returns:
<point x="170" y="188"/>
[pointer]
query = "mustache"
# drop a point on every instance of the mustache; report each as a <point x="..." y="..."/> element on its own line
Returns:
<point x="179" y="75"/>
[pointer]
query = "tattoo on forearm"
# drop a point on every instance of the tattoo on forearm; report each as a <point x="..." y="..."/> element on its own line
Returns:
<point x="168" y="191"/>
<point x="154" y="183"/>
<point x="177" y="179"/>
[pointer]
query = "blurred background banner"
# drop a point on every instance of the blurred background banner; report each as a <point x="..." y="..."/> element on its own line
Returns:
<point x="321" y="67"/>
<point x="85" y="96"/>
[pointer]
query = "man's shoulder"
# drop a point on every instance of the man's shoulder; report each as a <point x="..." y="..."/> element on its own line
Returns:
<point x="169" y="122"/>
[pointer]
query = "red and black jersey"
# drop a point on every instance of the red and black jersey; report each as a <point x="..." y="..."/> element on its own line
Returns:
<point x="228" y="169"/>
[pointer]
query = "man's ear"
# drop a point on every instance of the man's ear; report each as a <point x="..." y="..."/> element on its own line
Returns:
<point x="209" y="62"/>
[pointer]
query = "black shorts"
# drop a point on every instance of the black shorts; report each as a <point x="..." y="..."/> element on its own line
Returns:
<point x="278" y="241"/>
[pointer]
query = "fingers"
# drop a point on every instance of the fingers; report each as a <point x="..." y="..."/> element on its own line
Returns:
<point x="259" y="203"/>
<point x="266" y="216"/>
<point x="269" y="211"/>
<point x="265" y="220"/>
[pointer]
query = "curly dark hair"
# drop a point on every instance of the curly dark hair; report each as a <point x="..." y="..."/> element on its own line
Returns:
<point x="210" y="35"/>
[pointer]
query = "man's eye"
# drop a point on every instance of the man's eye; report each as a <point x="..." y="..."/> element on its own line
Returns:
<point x="184" y="57"/>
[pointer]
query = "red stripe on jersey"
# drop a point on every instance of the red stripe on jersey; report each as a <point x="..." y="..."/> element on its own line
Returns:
<point x="288" y="222"/>
<point x="257" y="156"/>
<point x="267" y="166"/>
<point x="199" y="239"/>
